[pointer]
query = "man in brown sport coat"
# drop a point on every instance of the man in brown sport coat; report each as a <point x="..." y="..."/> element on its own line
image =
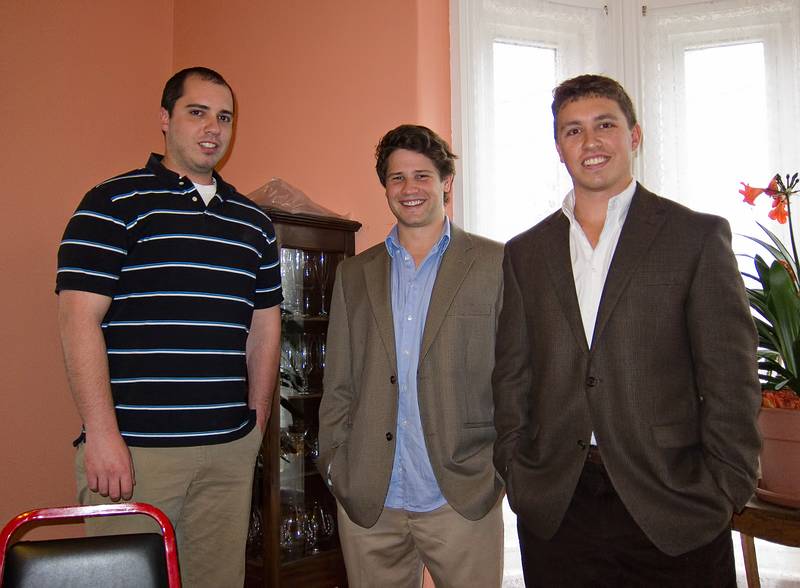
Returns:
<point x="406" y="428"/>
<point x="626" y="402"/>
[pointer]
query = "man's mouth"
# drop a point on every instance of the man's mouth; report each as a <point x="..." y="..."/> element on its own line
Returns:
<point x="410" y="203"/>
<point x="593" y="161"/>
<point x="208" y="145"/>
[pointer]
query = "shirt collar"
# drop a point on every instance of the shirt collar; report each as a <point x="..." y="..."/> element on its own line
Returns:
<point x="155" y="165"/>
<point x="393" y="245"/>
<point x="617" y="205"/>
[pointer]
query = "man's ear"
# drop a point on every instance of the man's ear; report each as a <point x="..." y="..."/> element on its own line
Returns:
<point x="164" y="116"/>
<point x="636" y="137"/>
<point x="447" y="184"/>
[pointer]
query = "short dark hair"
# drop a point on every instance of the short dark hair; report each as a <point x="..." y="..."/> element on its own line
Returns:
<point x="592" y="86"/>
<point x="415" y="138"/>
<point x="173" y="89"/>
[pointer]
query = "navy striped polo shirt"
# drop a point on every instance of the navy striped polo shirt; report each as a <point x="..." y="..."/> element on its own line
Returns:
<point x="184" y="280"/>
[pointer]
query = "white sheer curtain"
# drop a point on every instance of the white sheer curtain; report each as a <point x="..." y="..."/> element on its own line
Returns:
<point x="717" y="88"/>
<point x="508" y="56"/>
<point x="720" y="88"/>
<point x="716" y="84"/>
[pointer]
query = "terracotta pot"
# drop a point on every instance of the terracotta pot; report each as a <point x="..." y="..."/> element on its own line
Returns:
<point x="780" y="453"/>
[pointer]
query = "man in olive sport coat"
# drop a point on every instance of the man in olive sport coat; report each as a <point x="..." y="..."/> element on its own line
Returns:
<point x="387" y="531"/>
<point x="668" y="387"/>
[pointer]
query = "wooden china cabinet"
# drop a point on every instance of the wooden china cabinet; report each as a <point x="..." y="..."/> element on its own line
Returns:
<point x="293" y="539"/>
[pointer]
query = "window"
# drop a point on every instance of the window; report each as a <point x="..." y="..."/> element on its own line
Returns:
<point x="714" y="83"/>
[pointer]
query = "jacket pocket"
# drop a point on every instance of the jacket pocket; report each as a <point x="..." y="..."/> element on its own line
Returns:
<point x="675" y="435"/>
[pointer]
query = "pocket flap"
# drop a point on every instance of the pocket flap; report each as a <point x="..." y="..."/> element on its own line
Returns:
<point x="681" y="434"/>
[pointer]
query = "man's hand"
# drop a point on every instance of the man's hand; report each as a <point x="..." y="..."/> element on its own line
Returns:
<point x="109" y="469"/>
<point x="108" y="464"/>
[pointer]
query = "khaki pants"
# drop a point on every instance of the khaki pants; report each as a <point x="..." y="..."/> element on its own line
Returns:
<point x="459" y="553"/>
<point x="204" y="490"/>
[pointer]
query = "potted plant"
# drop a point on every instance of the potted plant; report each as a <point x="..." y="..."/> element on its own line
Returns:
<point x="775" y="300"/>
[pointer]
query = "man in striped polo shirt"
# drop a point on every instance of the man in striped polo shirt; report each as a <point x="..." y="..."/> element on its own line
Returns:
<point x="169" y="292"/>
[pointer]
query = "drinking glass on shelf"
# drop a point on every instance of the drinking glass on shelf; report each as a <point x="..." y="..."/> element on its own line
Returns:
<point x="287" y="281"/>
<point x="321" y="349"/>
<point x="312" y="529"/>
<point x="306" y="360"/>
<point x="292" y="531"/>
<point x="326" y="523"/>
<point x="323" y="275"/>
<point x="310" y="284"/>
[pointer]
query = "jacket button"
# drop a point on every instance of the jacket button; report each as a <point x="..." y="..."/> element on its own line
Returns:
<point x="591" y="381"/>
<point x="393" y="380"/>
<point x="389" y="436"/>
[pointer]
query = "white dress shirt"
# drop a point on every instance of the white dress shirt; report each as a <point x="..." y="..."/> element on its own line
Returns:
<point x="590" y="265"/>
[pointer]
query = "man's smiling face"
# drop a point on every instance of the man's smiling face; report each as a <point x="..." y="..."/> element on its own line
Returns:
<point x="414" y="190"/>
<point x="594" y="142"/>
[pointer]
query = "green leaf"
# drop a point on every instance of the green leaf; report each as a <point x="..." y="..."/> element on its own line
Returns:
<point x="783" y="254"/>
<point x="784" y="305"/>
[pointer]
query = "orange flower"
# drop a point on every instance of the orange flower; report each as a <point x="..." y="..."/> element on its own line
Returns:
<point x="773" y="189"/>
<point x="750" y="194"/>
<point x="779" y="212"/>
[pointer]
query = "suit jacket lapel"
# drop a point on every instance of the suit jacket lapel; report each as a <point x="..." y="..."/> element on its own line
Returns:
<point x="455" y="265"/>
<point x="559" y="265"/>
<point x="377" y="275"/>
<point x="645" y="217"/>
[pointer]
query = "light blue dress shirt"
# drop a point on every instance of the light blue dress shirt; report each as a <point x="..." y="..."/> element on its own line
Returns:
<point x="413" y="485"/>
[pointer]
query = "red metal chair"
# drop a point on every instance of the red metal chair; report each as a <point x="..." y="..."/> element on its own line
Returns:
<point x="139" y="560"/>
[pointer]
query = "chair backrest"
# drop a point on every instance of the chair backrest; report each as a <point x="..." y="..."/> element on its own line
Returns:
<point x="140" y="560"/>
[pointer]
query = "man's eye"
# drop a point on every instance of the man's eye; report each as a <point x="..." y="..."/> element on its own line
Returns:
<point x="607" y="125"/>
<point x="570" y="132"/>
<point x="226" y="118"/>
<point x="423" y="176"/>
<point x="196" y="112"/>
<point x="396" y="179"/>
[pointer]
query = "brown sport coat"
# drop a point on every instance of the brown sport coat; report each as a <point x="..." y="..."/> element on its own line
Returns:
<point x="358" y="413"/>
<point x="669" y="386"/>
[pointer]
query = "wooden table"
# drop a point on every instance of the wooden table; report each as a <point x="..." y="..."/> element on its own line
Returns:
<point x="769" y="522"/>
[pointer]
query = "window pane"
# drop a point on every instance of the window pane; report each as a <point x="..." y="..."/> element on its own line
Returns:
<point x="726" y="128"/>
<point x="526" y="167"/>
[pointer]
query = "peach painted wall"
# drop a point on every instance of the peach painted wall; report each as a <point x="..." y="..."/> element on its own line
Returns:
<point x="317" y="85"/>
<point x="81" y="85"/>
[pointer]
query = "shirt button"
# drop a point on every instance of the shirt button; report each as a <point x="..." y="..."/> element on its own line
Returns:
<point x="194" y="198"/>
<point x="410" y="318"/>
<point x="393" y="380"/>
<point x="591" y="381"/>
<point x="389" y="436"/>
<point x="180" y="183"/>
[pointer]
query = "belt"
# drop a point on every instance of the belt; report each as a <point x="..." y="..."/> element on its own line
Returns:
<point x="594" y="456"/>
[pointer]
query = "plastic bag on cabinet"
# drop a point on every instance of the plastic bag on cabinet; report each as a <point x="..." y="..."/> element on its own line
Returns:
<point x="280" y="194"/>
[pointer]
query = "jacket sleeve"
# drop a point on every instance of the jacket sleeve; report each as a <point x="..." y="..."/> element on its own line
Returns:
<point x="723" y="344"/>
<point x="337" y="397"/>
<point x="511" y="378"/>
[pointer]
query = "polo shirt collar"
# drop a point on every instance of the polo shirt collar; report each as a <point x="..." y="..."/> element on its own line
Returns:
<point x="155" y="165"/>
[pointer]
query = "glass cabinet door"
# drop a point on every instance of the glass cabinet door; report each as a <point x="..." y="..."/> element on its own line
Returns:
<point x="293" y="537"/>
<point x="308" y="511"/>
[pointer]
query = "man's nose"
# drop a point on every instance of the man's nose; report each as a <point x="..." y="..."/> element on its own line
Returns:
<point x="409" y="186"/>
<point x="590" y="138"/>
<point x="212" y="126"/>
